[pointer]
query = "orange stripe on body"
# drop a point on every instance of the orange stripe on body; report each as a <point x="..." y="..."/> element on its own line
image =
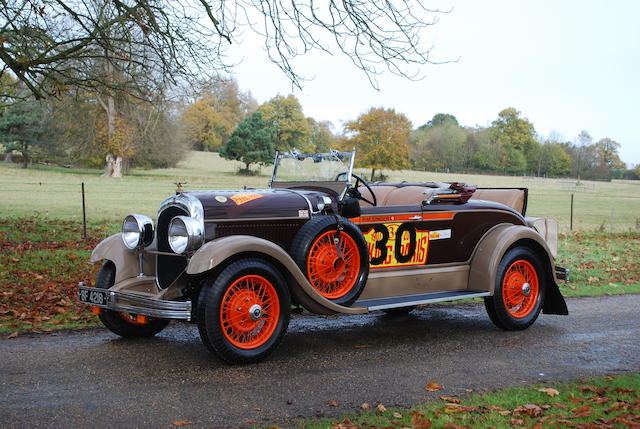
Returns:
<point x="403" y="217"/>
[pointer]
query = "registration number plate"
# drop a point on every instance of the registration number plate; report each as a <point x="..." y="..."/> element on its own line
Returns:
<point x="94" y="296"/>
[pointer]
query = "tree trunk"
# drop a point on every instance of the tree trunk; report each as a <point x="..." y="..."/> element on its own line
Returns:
<point x="25" y="156"/>
<point x="8" y="157"/>
<point x="113" y="166"/>
<point x="373" y="174"/>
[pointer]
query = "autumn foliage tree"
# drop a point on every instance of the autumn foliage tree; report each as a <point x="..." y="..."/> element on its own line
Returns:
<point x="292" y="129"/>
<point x="209" y="121"/>
<point x="381" y="139"/>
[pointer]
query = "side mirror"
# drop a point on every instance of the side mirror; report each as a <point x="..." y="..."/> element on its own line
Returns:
<point x="349" y="207"/>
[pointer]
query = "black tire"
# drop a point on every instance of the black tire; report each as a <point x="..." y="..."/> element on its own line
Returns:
<point x="522" y="309"/>
<point x="400" y="311"/>
<point x="303" y="243"/>
<point x="211" y="310"/>
<point x="117" y="322"/>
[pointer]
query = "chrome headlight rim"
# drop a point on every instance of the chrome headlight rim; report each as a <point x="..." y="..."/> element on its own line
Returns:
<point x="137" y="231"/>
<point x="185" y="234"/>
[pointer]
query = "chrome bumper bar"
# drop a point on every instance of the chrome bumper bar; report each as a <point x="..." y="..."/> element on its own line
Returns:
<point x="135" y="304"/>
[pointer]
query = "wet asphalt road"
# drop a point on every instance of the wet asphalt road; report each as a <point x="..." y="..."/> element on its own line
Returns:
<point x="92" y="378"/>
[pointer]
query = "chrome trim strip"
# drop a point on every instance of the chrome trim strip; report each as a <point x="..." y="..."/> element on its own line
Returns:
<point x="427" y="301"/>
<point x="253" y="219"/>
<point x="137" y="304"/>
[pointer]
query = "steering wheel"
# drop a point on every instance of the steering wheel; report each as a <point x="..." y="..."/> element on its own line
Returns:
<point x="354" y="192"/>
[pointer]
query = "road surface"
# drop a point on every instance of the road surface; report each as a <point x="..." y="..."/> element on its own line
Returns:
<point x="91" y="378"/>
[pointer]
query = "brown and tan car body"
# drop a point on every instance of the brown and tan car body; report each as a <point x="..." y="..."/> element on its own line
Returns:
<point x="453" y="253"/>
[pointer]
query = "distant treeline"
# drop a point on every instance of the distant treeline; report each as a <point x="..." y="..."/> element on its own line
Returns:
<point x="92" y="129"/>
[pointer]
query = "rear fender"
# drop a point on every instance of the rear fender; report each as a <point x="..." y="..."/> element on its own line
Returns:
<point x="493" y="246"/>
<point x="113" y="249"/>
<point x="216" y="252"/>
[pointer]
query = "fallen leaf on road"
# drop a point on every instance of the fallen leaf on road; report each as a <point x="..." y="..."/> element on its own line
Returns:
<point x="432" y="386"/>
<point x="181" y="423"/>
<point x="345" y="424"/>
<point x="381" y="408"/>
<point x="582" y="409"/>
<point x="258" y="409"/>
<point x="12" y="335"/>
<point x="333" y="403"/>
<point x="532" y="410"/>
<point x="365" y="406"/>
<point x="517" y="422"/>
<point x="450" y="399"/>
<point x="419" y="420"/>
<point x="549" y="391"/>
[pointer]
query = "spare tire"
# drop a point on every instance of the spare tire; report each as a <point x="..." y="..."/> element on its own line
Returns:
<point x="336" y="263"/>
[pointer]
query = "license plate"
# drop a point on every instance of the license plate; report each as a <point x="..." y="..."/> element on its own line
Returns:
<point x="94" y="297"/>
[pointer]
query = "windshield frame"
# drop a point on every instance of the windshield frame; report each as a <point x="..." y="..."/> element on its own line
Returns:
<point x="294" y="154"/>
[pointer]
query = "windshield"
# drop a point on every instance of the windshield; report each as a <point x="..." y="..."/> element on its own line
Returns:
<point x="319" y="167"/>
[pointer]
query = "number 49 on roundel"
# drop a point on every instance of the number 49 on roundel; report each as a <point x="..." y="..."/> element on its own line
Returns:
<point x="319" y="236"/>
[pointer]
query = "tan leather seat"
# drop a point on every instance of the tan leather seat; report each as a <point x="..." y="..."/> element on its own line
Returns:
<point x="513" y="198"/>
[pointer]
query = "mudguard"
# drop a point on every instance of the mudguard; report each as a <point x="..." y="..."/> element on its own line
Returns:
<point x="493" y="246"/>
<point x="216" y="252"/>
<point x="126" y="261"/>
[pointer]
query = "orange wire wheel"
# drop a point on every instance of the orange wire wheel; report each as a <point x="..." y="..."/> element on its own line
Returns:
<point x="333" y="264"/>
<point x="249" y="312"/>
<point x="520" y="288"/>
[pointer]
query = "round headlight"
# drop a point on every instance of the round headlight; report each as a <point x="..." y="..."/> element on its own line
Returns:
<point x="137" y="231"/>
<point x="185" y="234"/>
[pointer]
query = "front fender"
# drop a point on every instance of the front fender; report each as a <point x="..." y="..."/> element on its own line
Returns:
<point x="113" y="249"/>
<point x="216" y="252"/>
<point x="493" y="246"/>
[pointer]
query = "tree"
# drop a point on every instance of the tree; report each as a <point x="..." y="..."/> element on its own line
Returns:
<point x="285" y="115"/>
<point x="610" y="165"/>
<point x="251" y="142"/>
<point x="321" y="138"/>
<point x="53" y="46"/>
<point x="210" y="120"/>
<point x="441" y="119"/>
<point x="554" y="160"/>
<point x="517" y="135"/>
<point x="23" y="126"/>
<point x="440" y="144"/>
<point x="381" y="138"/>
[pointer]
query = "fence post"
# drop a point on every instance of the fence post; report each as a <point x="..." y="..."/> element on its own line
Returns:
<point x="84" y="215"/>
<point x="571" y="216"/>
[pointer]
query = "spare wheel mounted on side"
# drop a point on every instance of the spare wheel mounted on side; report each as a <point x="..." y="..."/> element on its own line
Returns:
<point x="333" y="254"/>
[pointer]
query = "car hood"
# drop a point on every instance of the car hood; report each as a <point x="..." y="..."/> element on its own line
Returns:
<point x="258" y="203"/>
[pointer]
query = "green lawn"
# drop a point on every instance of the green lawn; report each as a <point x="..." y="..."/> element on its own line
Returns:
<point x="55" y="192"/>
<point x="608" y="402"/>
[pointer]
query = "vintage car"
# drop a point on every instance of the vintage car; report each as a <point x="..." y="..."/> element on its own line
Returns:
<point x="320" y="237"/>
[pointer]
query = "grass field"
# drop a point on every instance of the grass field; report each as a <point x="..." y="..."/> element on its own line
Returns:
<point x="608" y="402"/>
<point x="55" y="192"/>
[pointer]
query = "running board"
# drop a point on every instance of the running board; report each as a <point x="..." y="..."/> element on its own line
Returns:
<point x="422" y="298"/>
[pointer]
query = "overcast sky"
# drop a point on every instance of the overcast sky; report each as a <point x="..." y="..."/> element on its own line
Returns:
<point x="566" y="65"/>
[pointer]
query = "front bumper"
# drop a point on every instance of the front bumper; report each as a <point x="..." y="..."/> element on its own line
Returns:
<point x="136" y="304"/>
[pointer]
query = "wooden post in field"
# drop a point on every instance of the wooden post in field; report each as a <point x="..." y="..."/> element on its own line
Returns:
<point x="84" y="215"/>
<point x="571" y="216"/>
